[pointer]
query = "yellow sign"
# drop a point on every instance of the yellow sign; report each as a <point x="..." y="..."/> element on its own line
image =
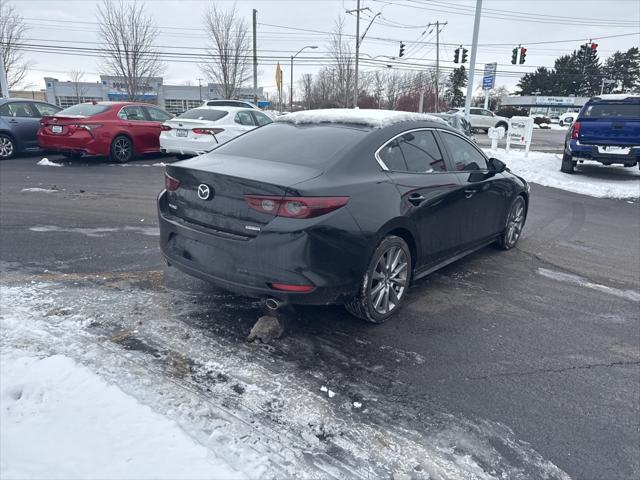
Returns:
<point x="278" y="77"/>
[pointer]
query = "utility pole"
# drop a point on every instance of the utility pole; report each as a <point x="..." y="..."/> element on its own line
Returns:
<point x="437" y="24"/>
<point x="4" y="85"/>
<point x="200" y="87"/>
<point x="355" y="83"/>
<point x="472" y="62"/>
<point x="255" y="58"/>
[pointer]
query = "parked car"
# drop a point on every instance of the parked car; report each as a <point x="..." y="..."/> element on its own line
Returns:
<point x="567" y="118"/>
<point x="483" y="119"/>
<point x="118" y="130"/>
<point x="19" y="123"/>
<point x="607" y="130"/>
<point x="230" y="103"/>
<point x="457" y="121"/>
<point x="202" y="129"/>
<point x="337" y="207"/>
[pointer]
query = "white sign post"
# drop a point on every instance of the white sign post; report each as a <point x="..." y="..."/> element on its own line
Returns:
<point x="520" y="132"/>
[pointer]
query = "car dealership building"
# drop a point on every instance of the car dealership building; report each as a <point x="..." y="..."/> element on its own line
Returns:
<point x="547" y="106"/>
<point x="173" y="98"/>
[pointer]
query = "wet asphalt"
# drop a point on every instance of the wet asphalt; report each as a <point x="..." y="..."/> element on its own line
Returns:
<point x="544" y="339"/>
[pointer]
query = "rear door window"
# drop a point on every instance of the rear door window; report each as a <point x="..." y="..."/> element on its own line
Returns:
<point x="465" y="157"/>
<point x="261" y="118"/>
<point x="413" y="152"/>
<point x="245" y="118"/>
<point x="132" y="113"/>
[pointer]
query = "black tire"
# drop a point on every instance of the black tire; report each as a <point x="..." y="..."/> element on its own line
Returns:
<point x="7" y="146"/>
<point x="183" y="157"/>
<point x="121" y="150"/>
<point x="380" y="285"/>
<point x="567" y="164"/>
<point x="561" y="123"/>
<point x="513" y="225"/>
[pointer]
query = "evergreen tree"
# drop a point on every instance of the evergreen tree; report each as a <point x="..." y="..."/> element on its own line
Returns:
<point x="624" y="68"/>
<point x="457" y="82"/>
<point x="542" y="80"/>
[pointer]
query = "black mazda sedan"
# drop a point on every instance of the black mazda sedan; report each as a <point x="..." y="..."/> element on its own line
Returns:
<point x="337" y="207"/>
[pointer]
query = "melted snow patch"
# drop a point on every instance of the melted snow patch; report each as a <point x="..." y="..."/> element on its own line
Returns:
<point x="599" y="181"/>
<point x="45" y="162"/>
<point x="60" y="420"/>
<point x="583" y="282"/>
<point x="368" y="117"/>
<point x="40" y="190"/>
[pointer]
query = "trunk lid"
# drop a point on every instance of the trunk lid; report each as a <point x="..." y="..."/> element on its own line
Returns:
<point x="229" y="179"/>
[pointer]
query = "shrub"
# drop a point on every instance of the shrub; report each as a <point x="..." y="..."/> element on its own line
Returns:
<point x="512" y="112"/>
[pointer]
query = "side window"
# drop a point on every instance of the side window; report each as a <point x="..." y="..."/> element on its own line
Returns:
<point x="261" y="118"/>
<point x="465" y="156"/>
<point x="44" y="109"/>
<point x="245" y="118"/>
<point x="132" y="112"/>
<point x="18" y="109"/>
<point x="158" y="115"/>
<point x="415" y="152"/>
<point x="487" y="113"/>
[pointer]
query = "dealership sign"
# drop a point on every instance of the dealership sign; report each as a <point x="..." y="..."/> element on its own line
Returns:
<point x="489" y="78"/>
<point x="520" y="132"/>
<point x="555" y="100"/>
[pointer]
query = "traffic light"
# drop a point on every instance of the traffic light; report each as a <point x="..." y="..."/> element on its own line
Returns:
<point x="523" y="54"/>
<point x="594" y="49"/>
<point x="456" y="55"/>
<point x="464" y="55"/>
<point x="514" y="55"/>
<point x="401" y="50"/>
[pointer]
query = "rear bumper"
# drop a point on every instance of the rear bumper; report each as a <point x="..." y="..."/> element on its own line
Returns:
<point x="332" y="258"/>
<point x="84" y="144"/>
<point x="185" y="146"/>
<point x="590" y="152"/>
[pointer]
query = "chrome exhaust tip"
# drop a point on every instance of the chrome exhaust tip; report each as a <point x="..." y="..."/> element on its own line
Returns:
<point x="272" y="303"/>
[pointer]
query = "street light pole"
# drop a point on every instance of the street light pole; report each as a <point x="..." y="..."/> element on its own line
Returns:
<point x="200" y="87"/>
<point x="291" y="86"/>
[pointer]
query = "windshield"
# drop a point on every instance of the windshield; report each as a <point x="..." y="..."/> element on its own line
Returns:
<point x="203" y="114"/>
<point x="85" y="109"/>
<point x="310" y="145"/>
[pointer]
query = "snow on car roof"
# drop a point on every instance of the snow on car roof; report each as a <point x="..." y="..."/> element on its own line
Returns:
<point x="369" y="117"/>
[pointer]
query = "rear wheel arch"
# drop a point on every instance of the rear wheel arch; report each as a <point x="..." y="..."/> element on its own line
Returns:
<point x="409" y="238"/>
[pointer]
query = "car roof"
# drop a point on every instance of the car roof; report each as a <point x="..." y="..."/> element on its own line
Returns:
<point x="23" y="100"/>
<point x="368" y="117"/>
<point x="616" y="97"/>
<point x="222" y="108"/>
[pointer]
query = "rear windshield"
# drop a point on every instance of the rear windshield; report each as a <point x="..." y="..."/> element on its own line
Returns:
<point x="203" y="114"/>
<point x="310" y="145"/>
<point x="224" y="103"/>
<point x="85" y="109"/>
<point x="612" y="110"/>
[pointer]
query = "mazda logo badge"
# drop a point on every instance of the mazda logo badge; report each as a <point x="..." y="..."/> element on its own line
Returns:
<point x="204" y="192"/>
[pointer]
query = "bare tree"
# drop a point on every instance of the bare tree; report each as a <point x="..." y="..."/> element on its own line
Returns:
<point x="229" y="51"/>
<point x="129" y="35"/>
<point x="307" y="89"/>
<point x="76" y="77"/>
<point x="342" y="59"/>
<point x="12" y="31"/>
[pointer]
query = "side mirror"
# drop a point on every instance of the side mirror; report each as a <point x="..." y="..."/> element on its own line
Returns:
<point x="496" y="166"/>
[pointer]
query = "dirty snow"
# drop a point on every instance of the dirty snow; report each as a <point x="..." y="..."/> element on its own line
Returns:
<point x="40" y="190"/>
<point x="45" y="162"/>
<point x="98" y="231"/>
<point x="583" y="282"/>
<point x="60" y="420"/>
<point x="368" y="117"/>
<point x="595" y="179"/>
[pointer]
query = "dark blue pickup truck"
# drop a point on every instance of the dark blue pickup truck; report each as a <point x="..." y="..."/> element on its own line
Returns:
<point x="607" y="130"/>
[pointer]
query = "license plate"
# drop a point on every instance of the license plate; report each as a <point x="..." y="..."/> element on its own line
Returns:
<point x="614" y="150"/>
<point x="56" y="128"/>
<point x="181" y="132"/>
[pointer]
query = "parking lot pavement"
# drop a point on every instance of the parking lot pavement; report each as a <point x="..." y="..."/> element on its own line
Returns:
<point x="500" y="357"/>
<point x="542" y="140"/>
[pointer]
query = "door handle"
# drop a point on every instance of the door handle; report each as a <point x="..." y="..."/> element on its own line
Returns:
<point x="416" y="198"/>
<point x="469" y="193"/>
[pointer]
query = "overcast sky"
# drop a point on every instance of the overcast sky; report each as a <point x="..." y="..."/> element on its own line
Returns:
<point x="504" y="24"/>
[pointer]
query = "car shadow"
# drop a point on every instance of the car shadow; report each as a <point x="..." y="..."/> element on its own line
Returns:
<point x="608" y="172"/>
<point x="86" y="161"/>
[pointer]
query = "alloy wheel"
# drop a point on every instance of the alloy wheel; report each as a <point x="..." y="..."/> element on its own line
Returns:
<point x="6" y="147"/>
<point x="122" y="149"/>
<point x="389" y="280"/>
<point x="515" y="222"/>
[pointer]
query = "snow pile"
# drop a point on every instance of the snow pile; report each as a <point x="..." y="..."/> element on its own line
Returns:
<point x="45" y="162"/>
<point x="59" y="420"/>
<point x="40" y="190"/>
<point x="595" y="180"/>
<point x="368" y="117"/>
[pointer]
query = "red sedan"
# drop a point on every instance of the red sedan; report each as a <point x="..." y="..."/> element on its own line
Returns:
<point x="118" y="130"/>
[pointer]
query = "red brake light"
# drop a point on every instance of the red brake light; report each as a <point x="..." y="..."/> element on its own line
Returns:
<point x="165" y="128"/>
<point x="207" y="131"/>
<point x="575" y="130"/>
<point x="285" y="287"/>
<point x="170" y="183"/>
<point x="295" y="207"/>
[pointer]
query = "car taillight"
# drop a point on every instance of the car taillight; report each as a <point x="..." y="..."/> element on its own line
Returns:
<point x="295" y="207"/>
<point x="575" y="130"/>
<point x="165" y="128"/>
<point x="207" y="131"/>
<point x="170" y="183"/>
<point x="285" y="287"/>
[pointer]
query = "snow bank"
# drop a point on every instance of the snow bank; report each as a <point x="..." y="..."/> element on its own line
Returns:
<point x="41" y="190"/>
<point x="597" y="180"/>
<point x="59" y="420"/>
<point x="45" y="162"/>
<point x="368" y="117"/>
